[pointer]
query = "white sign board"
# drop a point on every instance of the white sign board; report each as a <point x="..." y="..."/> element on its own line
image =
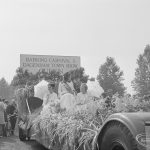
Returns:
<point x="63" y="64"/>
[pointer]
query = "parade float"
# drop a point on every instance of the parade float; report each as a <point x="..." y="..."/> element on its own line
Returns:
<point x="90" y="126"/>
<point x="83" y="127"/>
<point x="121" y="125"/>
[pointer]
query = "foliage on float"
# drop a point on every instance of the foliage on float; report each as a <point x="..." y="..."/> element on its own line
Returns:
<point x="77" y="129"/>
<point x="72" y="129"/>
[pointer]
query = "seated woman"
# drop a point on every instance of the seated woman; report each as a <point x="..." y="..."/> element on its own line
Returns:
<point x="50" y="98"/>
<point x="83" y="97"/>
<point x="67" y="92"/>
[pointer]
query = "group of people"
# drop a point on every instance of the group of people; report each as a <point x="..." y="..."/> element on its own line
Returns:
<point x="67" y="96"/>
<point x="8" y="117"/>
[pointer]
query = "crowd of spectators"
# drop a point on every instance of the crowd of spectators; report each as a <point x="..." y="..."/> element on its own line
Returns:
<point x="8" y="117"/>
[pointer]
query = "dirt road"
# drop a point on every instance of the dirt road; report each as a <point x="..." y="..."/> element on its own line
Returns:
<point x="13" y="143"/>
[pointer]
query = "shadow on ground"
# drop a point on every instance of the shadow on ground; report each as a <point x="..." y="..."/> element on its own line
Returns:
<point x="13" y="143"/>
<point x="35" y="145"/>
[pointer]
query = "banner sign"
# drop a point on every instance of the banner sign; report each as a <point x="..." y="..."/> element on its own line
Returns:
<point x="63" y="64"/>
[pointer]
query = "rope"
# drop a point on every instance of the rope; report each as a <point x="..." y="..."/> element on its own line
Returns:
<point x="28" y="107"/>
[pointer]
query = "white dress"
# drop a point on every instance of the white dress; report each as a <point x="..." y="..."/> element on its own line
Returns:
<point x="50" y="99"/>
<point x="67" y="99"/>
<point x="83" y="98"/>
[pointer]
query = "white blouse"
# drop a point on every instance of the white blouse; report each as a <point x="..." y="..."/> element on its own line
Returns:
<point x="50" y="98"/>
<point x="83" y="98"/>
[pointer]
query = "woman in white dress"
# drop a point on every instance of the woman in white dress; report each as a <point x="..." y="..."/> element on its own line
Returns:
<point x="50" y="98"/>
<point x="83" y="97"/>
<point x="67" y="93"/>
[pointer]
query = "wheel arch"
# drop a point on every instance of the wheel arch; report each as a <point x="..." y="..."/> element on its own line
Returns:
<point x="134" y="126"/>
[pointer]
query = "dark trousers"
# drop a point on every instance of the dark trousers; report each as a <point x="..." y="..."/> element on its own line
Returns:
<point x="13" y="123"/>
<point x="2" y="129"/>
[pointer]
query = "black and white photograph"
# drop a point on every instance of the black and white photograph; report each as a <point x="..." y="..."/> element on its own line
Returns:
<point x="74" y="74"/>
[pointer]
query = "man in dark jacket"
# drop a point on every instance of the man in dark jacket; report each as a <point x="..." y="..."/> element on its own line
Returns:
<point x="5" y="116"/>
<point x="12" y="113"/>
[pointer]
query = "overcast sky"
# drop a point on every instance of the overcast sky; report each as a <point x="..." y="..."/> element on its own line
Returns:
<point x="91" y="29"/>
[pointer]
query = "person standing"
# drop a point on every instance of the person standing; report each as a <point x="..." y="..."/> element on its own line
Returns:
<point x="67" y="85"/>
<point x="67" y="99"/>
<point x="5" y="117"/>
<point x="2" y="119"/>
<point x="12" y="113"/>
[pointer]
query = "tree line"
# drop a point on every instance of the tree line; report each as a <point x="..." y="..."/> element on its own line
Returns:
<point x="6" y="90"/>
<point x="110" y="77"/>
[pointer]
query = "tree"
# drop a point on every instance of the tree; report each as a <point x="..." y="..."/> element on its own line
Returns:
<point x="110" y="77"/>
<point x="6" y="91"/>
<point x="20" y="78"/>
<point x="23" y="77"/>
<point x="141" y="82"/>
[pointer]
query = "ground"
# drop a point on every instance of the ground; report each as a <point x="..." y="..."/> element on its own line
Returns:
<point x="13" y="143"/>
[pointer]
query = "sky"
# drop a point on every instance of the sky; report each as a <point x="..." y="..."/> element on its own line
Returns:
<point x="91" y="29"/>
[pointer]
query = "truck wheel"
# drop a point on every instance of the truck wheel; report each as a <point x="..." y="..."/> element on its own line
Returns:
<point x="116" y="136"/>
<point x="22" y="137"/>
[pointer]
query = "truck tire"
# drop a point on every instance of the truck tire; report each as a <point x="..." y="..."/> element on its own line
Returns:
<point x="22" y="137"/>
<point x="117" y="136"/>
